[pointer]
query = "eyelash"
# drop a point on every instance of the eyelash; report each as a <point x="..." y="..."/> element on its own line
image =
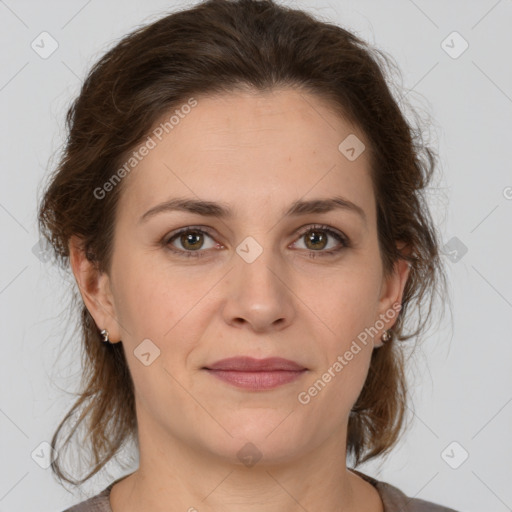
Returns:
<point x="312" y="254"/>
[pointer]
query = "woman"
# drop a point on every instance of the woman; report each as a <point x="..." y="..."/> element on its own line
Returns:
<point x="241" y="203"/>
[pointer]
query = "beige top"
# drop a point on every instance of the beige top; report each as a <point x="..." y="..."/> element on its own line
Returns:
<point x="393" y="499"/>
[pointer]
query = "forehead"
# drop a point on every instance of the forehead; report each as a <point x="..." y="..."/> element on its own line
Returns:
<point x="251" y="150"/>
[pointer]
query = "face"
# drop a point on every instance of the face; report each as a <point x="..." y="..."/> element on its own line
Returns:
<point x="259" y="281"/>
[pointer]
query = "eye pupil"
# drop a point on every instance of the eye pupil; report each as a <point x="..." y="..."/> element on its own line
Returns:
<point x="316" y="235"/>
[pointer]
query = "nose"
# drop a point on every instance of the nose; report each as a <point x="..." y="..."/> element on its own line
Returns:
<point x="259" y="295"/>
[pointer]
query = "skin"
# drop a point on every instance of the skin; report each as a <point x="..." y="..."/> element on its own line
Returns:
<point x="257" y="153"/>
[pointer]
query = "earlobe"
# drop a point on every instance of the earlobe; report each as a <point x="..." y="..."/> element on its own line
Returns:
<point x="94" y="288"/>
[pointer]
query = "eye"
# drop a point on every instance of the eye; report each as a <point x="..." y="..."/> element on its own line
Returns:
<point x="317" y="238"/>
<point x="191" y="240"/>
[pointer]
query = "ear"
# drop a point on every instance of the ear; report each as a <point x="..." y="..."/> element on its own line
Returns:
<point x="392" y="291"/>
<point x="95" y="289"/>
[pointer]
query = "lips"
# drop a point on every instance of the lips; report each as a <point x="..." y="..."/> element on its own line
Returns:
<point x="256" y="374"/>
<point x="249" y="364"/>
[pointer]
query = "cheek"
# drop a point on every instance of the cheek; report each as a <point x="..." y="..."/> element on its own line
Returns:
<point x="159" y="302"/>
<point x="347" y="303"/>
<point x="156" y="304"/>
<point x="358" y="308"/>
<point x="332" y="391"/>
<point x="144" y="297"/>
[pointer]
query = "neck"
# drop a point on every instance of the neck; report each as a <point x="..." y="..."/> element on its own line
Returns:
<point x="174" y="476"/>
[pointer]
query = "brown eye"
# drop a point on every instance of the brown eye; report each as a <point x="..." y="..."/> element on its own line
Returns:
<point x="315" y="239"/>
<point x="321" y="241"/>
<point x="190" y="242"/>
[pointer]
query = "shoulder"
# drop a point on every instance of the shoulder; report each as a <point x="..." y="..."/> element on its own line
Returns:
<point x="394" y="499"/>
<point x="98" y="503"/>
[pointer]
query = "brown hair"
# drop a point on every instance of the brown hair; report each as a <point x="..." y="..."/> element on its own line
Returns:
<point x="216" y="47"/>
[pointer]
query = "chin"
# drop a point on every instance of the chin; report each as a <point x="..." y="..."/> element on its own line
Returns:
<point x="258" y="442"/>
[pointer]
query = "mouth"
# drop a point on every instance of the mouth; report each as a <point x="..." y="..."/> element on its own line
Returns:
<point x="256" y="374"/>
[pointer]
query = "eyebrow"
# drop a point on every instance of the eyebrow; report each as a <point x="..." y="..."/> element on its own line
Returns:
<point x="221" y="211"/>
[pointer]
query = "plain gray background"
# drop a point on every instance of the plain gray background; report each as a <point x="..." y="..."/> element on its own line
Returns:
<point x="461" y="380"/>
